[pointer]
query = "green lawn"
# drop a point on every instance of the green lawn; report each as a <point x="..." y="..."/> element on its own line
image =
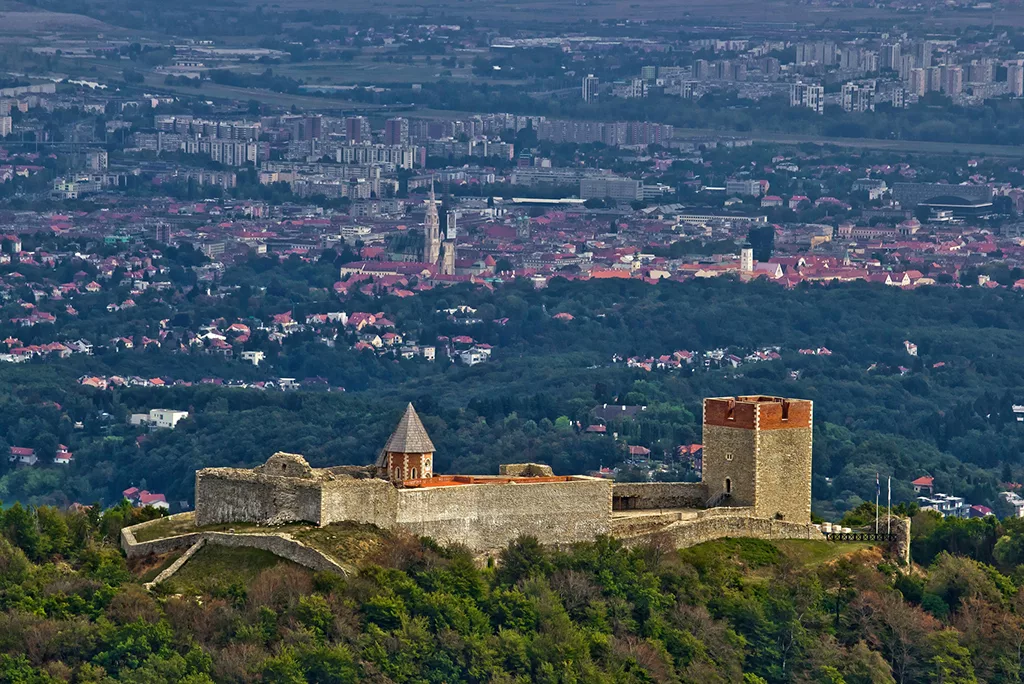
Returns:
<point x="215" y="568"/>
<point x="347" y="543"/>
<point x="756" y="556"/>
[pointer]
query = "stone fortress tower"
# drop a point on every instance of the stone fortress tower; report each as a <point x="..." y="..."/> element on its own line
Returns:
<point x="757" y="453"/>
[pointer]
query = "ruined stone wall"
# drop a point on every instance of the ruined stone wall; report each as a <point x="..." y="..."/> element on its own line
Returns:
<point x="134" y="548"/>
<point x="645" y="495"/>
<point x="489" y="516"/>
<point x="280" y="545"/>
<point x="371" y="501"/>
<point x="729" y="455"/>
<point x="525" y="470"/>
<point x="225" y="495"/>
<point x="691" y="533"/>
<point x="784" y="474"/>
<point x="900" y="548"/>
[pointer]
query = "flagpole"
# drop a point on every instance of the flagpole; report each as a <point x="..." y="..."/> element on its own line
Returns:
<point x="877" y="492"/>
<point x="888" y="528"/>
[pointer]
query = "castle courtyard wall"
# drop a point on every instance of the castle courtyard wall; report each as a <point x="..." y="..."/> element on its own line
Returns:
<point x="484" y="517"/>
<point x="646" y="495"/>
<point x="370" y="501"/>
<point x="226" y="495"/>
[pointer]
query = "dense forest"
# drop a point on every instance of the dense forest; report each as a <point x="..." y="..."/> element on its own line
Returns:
<point x="946" y="411"/>
<point x="747" y="611"/>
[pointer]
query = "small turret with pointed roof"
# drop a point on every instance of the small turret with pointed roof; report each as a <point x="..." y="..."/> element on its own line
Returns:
<point x="408" y="453"/>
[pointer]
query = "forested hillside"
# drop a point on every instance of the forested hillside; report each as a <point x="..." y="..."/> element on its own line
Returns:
<point x="730" y="611"/>
<point x="946" y="411"/>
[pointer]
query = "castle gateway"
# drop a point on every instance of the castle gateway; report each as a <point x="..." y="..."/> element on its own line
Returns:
<point x="756" y="483"/>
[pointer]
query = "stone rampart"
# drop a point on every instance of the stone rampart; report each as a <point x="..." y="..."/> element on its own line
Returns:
<point x="226" y="495"/>
<point x="278" y="543"/>
<point x="688" y="533"/>
<point x="647" y="495"/>
<point x="134" y="548"/>
<point x="369" y="500"/>
<point x="488" y="516"/>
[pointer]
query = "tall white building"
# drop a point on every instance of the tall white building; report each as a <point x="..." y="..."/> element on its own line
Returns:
<point x="858" y="97"/>
<point x="1015" y="79"/>
<point x="807" y="95"/>
<point x="590" y="85"/>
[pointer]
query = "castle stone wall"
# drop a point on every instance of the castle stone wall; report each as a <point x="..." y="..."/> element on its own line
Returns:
<point x="371" y="501"/>
<point x="645" y="495"/>
<point x="226" y="495"/>
<point x="784" y="474"/>
<point x="488" y="516"/>
<point x="525" y="470"/>
<point x="692" y="532"/>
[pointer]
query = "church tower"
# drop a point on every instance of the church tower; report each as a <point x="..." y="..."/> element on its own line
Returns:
<point x="431" y="231"/>
<point x="448" y="255"/>
<point x="409" y="453"/>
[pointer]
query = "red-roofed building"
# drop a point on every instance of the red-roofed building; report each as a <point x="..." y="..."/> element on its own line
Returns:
<point x="924" y="485"/>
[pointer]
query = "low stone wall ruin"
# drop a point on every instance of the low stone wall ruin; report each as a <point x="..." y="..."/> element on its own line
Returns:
<point x="278" y="543"/>
<point x="647" y="495"/>
<point x="688" y="533"/>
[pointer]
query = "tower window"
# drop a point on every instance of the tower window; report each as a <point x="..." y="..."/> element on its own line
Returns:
<point x="728" y="485"/>
<point x="412" y="474"/>
<point x="728" y="456"/>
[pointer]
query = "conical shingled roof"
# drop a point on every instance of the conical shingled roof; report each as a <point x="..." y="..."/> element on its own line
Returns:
<point x="410" y="437"/>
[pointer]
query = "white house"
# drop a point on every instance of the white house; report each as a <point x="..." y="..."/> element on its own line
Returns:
<point x="253" y="357"/>
<point x="160" y="418"/>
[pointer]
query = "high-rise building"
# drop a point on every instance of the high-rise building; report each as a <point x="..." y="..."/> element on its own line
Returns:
<point x="1015" y="79"/>
<point x="953" y="80"/>
<point x="934" y="78"/>
<point x="96" y="160"/>
<point x="357" y="130"/>
<point x="590" y="86"/>
<point x="701" y="69"/>
<point x="807" y="95"/>
<point x="649" y="73"/>
<point x="396" y="131"/>
<point x="923" y="54"/>
<point x="906" y="64"/>
<point x="889" y="56"/>
<point x="858" y="97"/>
<point x="6" y="126"/>
<point x="918" y="81"/>
<point x="162" y="233"/>
<point x="899" y="98"/>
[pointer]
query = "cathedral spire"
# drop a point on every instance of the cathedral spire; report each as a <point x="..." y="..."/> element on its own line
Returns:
<point x="432" y="230"/>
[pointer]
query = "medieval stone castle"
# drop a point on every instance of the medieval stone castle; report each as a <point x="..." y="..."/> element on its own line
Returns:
<point x="756" y="482"/>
